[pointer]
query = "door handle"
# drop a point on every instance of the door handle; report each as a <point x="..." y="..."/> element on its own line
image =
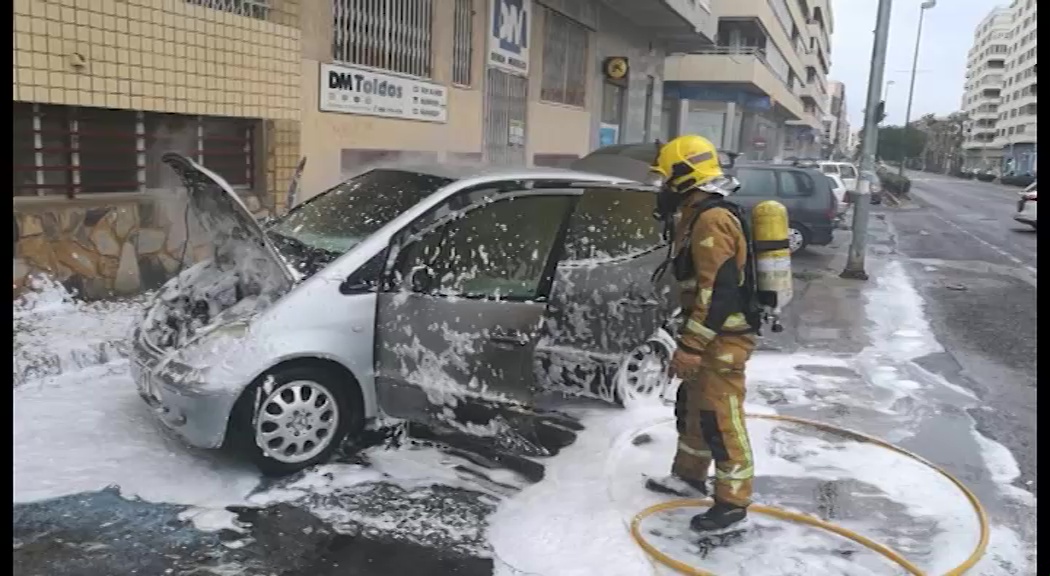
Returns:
<point x="513" y="338"/>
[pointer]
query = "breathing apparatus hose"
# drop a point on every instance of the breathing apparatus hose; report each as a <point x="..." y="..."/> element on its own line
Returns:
<point x="889" y="553"/>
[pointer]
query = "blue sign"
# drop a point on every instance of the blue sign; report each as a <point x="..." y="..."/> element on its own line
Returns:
<point x="716" y="93"/>
<point x="509" y="35"/>
<point x="608" y="134"/>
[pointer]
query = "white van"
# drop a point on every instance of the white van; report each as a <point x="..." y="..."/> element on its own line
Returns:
<point x="844" y="170"/>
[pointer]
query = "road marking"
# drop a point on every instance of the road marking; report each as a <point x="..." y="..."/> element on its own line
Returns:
<point x="993" y="247"/>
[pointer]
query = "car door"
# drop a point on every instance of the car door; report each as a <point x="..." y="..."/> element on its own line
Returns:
<point x="604" y="301"/>
<point x="460" y="310"/>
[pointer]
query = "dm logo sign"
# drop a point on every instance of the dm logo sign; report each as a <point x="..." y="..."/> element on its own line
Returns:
<point x="509" y="35"/>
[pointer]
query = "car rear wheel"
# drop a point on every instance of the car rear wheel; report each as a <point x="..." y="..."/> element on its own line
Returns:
<point x="295" y="417"/>
<point x="797" y="238"/>
<point x="643" y="374"/>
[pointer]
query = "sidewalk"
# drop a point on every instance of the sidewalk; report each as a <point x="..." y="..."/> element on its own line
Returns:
<point x="852" y="355"/>
<point x="54" y="333"/>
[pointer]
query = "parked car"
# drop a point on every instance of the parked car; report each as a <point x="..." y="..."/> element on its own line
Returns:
<point x="845" y="170"/>
<point x="436" y="294"/>
<point x="838" y="188"/>
<point x="1026" y="206"/>
<point x="986" y="175"/>
<point x="1022" y="179"/>
<point x="813" y="208"/>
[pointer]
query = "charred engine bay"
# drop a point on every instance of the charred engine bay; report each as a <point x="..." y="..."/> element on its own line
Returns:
<point x="230" y="287"/>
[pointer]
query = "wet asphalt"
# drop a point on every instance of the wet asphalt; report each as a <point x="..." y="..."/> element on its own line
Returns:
<point x="976" y="269"/>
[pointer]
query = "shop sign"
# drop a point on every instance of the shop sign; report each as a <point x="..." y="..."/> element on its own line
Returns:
<point x="357" y="90"/>
<point x="509" y="30"/>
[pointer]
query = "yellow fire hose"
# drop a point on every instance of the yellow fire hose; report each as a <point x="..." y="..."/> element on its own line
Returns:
<point x="885" y="551"/>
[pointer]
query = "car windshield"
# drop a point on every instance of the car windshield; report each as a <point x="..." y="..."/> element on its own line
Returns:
<point x="829" y="169"/>
<point x="330" y="224"/>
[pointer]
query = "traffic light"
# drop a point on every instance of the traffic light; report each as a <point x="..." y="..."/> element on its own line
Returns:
<point x="880" y="112"/>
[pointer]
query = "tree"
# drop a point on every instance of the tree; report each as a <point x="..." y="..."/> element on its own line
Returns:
<point x="897" y="143"/>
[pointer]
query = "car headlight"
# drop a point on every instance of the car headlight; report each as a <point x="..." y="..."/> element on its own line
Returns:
<point x="213" y="347"/>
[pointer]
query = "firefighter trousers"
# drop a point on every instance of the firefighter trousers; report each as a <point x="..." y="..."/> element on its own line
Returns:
<point x="709" y="411"/>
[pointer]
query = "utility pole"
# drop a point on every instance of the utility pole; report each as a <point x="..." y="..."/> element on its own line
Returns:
<point x="862" y="203"/>
<point x="914" y="65"/>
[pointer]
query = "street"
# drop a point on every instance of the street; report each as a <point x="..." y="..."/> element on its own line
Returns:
<point x="977" y="272"/>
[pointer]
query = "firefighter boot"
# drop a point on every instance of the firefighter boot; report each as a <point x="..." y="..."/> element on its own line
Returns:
<point x="719" y="516"/>
<point x="675" y="485"/>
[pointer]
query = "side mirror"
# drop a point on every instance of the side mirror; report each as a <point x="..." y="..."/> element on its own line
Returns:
<point x="353" y="285"/>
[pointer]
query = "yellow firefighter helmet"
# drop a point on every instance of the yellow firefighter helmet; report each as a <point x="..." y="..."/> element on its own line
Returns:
<point x="688" y="162"/>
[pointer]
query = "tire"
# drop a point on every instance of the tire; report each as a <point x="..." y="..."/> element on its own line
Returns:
<point x="325" y="407"/>
<point x="798" y="237"/>
<point x="636" y="378"/>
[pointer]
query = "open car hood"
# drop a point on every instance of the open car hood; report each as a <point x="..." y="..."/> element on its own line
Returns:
<point x="238" y="237"/>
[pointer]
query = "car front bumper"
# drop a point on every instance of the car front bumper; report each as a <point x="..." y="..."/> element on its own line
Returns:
<point x="200" y="417"/>
<point x="1026" y="212"/>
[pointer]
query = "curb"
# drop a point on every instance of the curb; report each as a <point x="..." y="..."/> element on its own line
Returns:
<point x="30" y="367"/>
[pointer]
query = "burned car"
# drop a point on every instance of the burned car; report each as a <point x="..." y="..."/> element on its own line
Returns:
<point x="454" y="296"/>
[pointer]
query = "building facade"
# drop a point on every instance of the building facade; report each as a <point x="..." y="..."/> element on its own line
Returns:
<point x="1016" y="131"/>
<point x="103" y="88"/>
<point x="982" y="91"/>
<point x="836" y="122"/>
<point x="762" y="90"/>
<point x="513" y="82"/>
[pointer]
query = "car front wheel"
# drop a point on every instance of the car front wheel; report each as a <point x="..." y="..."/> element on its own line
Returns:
<point x="797" y="238"/>
<point x="294" y="417"/>
<point x="644" y="374"/>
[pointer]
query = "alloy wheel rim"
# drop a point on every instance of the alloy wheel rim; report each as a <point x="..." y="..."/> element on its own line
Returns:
<point x="794" y="239"/>
<point x="644" y="372"/>
<point x="297" y="421"/>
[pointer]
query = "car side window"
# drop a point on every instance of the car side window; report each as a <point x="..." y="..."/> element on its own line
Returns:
<point x="755" y="182"/>
<point x="498" y="250"/>
<point x="847" y="171"/>
<point x="795" y="184"/>
<point x="610" y="224"/>
<point x="829" y="169"/>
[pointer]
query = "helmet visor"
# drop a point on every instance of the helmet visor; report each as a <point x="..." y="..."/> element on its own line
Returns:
<point x="724" y="185"/>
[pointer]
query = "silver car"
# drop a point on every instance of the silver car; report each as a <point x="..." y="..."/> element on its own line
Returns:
<point x="456" y="297"/>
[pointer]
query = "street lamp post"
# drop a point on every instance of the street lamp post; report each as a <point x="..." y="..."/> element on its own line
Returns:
<point x="861" y="206"/>
<point x="914" y="66"/>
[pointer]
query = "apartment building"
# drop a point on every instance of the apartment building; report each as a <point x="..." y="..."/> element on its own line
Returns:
<point x="1016" y="130"/>
<point x="836" y="122"/>
<point x="763" y="89"/>
<point x="982" y="91"/>
<point x="102" y="88"/>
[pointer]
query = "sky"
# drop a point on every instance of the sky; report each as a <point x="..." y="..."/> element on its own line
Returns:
<point x="947" y="33"/>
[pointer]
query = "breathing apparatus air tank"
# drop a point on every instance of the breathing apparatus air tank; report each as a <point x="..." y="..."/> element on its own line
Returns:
<point x="773" y="279"/>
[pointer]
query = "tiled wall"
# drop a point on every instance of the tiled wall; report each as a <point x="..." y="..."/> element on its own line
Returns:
<point x="164" y="56"/>
<point x="174" y="56"/>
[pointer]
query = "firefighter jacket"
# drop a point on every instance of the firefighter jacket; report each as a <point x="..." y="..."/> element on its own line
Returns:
<point x="711" y="298"/>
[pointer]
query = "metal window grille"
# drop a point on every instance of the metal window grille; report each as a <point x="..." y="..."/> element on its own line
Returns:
<point x="259" y="9"/>
<point x="564" y="61"/>
<point x="71" y="150"/>
<point x="462" y="42"/>
<point x="391" y="35"/>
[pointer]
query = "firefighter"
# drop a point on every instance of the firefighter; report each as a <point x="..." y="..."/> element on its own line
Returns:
<point x="710" y="255"/>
